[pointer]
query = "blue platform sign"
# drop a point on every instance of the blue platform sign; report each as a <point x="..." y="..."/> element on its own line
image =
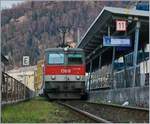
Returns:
<point x="143" y="6"/>
<point x="116" y="41"/>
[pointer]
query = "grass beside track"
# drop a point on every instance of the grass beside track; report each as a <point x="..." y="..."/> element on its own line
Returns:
<point x="39" y="110"/>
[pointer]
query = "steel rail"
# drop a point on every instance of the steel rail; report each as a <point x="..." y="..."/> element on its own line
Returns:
<point x="124" y="113"/>
<point x="120" y="106"/>
<point x="89" y="115"/>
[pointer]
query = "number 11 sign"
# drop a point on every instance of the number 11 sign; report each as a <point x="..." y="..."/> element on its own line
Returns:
<point x="121" y="25"/>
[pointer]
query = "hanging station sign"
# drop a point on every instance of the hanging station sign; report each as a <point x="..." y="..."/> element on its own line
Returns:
<point x="121" y="25"/>
<point x="116" y="41"/>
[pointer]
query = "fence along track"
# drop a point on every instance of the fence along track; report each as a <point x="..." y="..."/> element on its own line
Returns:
<point x="113" y="113"/>
<point x="89" y="115"/>
<point x="13" y="91"/>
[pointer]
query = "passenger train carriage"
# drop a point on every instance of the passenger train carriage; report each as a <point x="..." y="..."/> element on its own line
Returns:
<point x="64" y="73"/>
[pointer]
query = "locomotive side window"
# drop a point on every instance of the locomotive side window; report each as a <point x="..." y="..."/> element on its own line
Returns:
<point x="74" y="59"/>
<point x="55" y="58"/>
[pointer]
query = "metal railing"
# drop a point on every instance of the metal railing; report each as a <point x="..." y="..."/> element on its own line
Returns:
<point x="119" y="79"/>
<point x="13" y="90"/>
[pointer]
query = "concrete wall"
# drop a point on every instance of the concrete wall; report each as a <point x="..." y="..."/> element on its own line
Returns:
<point x="137" y="96"/>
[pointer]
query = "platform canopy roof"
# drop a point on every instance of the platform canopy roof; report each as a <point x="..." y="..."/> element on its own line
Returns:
<point x="92" y="41"/>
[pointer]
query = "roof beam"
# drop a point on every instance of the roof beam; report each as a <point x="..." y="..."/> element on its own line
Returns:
<point x="96" y="36"/>
<point x="96" y="55"/>
<point x="91" y="45"/>
<point x="131" y="18"/>
<point x="89" y="48"/>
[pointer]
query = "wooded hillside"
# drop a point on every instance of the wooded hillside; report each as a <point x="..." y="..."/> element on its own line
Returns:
<point x="29" y="28"/>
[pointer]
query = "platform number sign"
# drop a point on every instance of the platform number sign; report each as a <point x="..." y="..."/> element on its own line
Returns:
<point x="121" y="25"/>
<point x="26" y="60"/>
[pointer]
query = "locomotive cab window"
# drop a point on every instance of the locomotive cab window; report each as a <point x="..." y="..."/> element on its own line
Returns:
<point x="74" y="59"/>
<point x="55" y="58"/>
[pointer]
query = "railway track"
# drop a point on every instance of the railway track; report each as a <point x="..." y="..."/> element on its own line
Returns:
<point x="85" y="113"/>
<point x="107" y="113"/>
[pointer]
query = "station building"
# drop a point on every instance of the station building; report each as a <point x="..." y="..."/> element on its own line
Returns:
<point x="118" y="74"/>
<point x="26" y="75"/>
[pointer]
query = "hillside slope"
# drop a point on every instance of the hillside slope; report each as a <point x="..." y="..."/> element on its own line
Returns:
<point x="29" y="28"/>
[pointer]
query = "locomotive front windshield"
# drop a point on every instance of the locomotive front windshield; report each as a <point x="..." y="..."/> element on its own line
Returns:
<point x="55" y="58"/>
<point x="75" y="59"/>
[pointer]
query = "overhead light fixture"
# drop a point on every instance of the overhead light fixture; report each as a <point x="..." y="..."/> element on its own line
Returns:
<point x="130" y="18"/>
<point x="136" y="18"/>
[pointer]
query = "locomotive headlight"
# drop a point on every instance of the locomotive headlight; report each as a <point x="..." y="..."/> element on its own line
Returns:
<point x="78" y="77"/>
<point x="53" y="77"/>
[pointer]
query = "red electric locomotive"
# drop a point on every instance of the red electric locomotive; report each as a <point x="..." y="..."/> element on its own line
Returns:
<point x="64" y="73"/>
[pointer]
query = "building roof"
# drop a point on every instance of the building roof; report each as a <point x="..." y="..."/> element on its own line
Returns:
<point x="23" y="69"/>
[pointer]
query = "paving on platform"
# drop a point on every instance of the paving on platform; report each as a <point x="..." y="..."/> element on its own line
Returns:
<point x="39" y="110"/>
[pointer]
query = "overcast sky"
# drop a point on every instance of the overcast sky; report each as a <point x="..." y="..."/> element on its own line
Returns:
<point x="9" y="3"/>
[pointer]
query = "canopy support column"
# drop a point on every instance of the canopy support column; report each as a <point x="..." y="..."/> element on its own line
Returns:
<point x="90" y="75"/>
<point x="135" y="51"/>
<point x="99" y="66"/>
